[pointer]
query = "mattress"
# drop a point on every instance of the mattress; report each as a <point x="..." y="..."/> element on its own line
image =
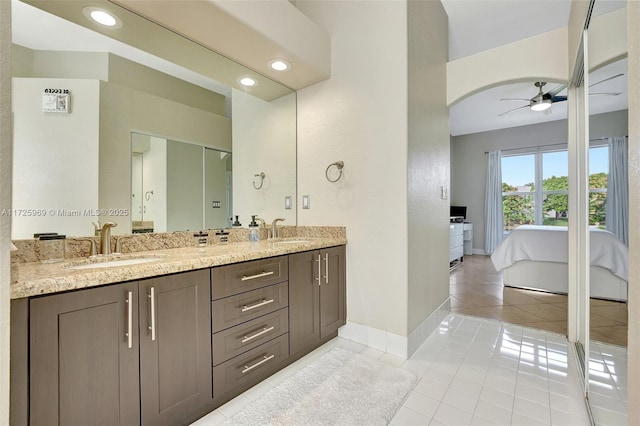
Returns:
<point x="550" y="244"/>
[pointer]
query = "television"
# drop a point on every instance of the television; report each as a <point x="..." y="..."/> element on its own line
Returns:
<point x="458" y="211"/>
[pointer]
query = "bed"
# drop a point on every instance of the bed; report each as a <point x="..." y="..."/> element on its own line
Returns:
<point x="535" y="257"/>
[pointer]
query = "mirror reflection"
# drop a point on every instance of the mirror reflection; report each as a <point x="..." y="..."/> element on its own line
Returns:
<point x="77" y="166"/>
<point x="178" y="186"/>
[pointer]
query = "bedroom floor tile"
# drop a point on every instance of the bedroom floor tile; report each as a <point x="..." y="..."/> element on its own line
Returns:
<point x="477" y="290"/>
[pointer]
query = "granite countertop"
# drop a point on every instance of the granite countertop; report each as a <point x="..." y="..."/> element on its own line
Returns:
<point x="39" y="278"/>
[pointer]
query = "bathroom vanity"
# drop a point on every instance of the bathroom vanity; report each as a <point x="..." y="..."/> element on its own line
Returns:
<point x="165" y="341"/>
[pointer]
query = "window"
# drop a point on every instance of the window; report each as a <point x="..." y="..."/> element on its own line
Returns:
<point x="535" y="188"/>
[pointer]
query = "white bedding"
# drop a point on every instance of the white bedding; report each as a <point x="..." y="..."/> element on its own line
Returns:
<point x="550" y="244"/>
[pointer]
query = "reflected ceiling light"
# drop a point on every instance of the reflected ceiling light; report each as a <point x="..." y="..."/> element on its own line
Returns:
<point x="279" y="65"/>
<point x="541" y="105"/>
<point x="102" y="17"/>
<point x="247" y="81"/>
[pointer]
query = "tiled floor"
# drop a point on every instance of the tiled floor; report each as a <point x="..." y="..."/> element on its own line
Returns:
<point x="476" y="289"/>
<point x="475" y="371"/>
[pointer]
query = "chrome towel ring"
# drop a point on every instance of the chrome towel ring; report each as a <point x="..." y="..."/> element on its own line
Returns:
<point x="339" y="165"/>
<point x="261" y="175"/>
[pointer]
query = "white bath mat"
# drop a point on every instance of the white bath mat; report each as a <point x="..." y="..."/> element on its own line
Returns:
<point x="339" y="388"/>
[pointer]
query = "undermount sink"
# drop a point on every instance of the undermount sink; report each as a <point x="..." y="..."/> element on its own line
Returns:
<point x="115" y="262"/>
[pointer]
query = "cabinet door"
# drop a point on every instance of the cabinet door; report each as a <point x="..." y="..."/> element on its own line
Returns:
<point x="175" y="347"/>
<point x="332" y="290"/>
<point x="83" y="369"/>
<point x="304" y="300"/>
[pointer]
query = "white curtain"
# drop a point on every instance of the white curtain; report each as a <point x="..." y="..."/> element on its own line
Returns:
<point x="494" y="226"/>
<point x="617" y="207"/>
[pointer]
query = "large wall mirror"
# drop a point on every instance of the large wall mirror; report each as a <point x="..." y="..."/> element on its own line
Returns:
<point x="140" y="126"/>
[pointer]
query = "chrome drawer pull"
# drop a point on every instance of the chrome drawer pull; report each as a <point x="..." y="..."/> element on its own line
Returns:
<point x="258" y="334"/>
<point x="260" y="275"/>
<point x="246" y="308"/>
<point x="265" y="359"/>
<point x="129" y="332"/>
<point x="152" y="327"/>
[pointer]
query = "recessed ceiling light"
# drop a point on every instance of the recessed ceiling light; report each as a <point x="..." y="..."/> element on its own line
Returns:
<point x="247" y="81"/>
<point x="102" y="17"/>
<point x="279" y="65"/>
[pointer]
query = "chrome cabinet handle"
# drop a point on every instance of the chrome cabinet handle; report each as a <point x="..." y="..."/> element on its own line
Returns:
<point x="152" y="327"/>
<point x="319" y="270"/>
<point x="260" y="275"/>
<point x="264" y="359"/>
<point x="129" y="332"/>
<point x="258" y="334"/>
<point x="246" y="308"/>
<point x="326" y="268"/>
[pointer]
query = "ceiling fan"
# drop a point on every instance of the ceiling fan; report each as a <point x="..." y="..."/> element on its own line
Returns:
<point x="542" y="101"/>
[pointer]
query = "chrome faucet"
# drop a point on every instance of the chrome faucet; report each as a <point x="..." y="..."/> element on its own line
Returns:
<point x="105" y="237"/>
<point x="263" y="224"/>
<point x="275" y="233"/>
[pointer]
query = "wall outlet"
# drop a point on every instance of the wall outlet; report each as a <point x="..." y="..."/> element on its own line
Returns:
<point x="287" y="202"/>
<point x="306" y="201"/>
<point x="216" y="204"/>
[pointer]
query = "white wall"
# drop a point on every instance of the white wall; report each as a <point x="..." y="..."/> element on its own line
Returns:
<point x="359" y="116"/>
<point x="155" y="179"/>
<point x="264" y="140"/>
<point x="428" y="163"/>
<point x="45" y="143"/>
<point x="5" y="202"/>
<point x="469" y="162"/>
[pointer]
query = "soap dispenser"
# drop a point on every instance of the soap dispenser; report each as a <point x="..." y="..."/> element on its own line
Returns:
<point x="254" y="234"/>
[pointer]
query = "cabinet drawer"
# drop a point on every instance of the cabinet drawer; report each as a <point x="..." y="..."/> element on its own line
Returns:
<point x="456" y="229"/>
<point x="243" y="307"/>
<point x="241" y="277"/>
<point x="456" y="253"/>
<point x="251" y="367"/>
<point x="455" y="241"/>
<point x="248" y="335"/>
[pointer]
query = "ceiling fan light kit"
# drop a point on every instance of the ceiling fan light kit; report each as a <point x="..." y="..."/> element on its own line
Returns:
<point x="540" y="105"/>
<point x="542" y="101"/>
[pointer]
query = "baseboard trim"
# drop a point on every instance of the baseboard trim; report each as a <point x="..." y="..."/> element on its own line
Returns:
<point x="401" y="346"/>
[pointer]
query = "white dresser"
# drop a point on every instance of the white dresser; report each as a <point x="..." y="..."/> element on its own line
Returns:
<point x="468" y="238"/>
<point x="456" y="244"/>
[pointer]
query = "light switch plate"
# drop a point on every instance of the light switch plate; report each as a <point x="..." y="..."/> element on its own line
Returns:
<point x="445" y="192"/>
<point x="287" y="202"/>
<point x="306" y="201"/>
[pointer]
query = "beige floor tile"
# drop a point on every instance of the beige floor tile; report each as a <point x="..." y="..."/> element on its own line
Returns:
<point x="514" y="296"/>
<point x="617" y="312"/>
<point x="616" y="334"/>
<point x="477" y="290"/>
<point x="547" y="311"/>
<point x="602" y="321"/>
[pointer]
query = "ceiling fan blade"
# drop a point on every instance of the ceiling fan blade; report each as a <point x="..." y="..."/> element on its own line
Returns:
<point x="607" y="79"/>
<point x="514" y="99"/>
<point x="511" y="110"/>
<point x="558" y="99"/>
<point x="553" y="92"/>
<point x="606" y="94"/>
<point x="547" y="111"/>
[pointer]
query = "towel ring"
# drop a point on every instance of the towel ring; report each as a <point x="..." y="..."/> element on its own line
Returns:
<point x="339" y="165"/>
<point x="261" y="175"/>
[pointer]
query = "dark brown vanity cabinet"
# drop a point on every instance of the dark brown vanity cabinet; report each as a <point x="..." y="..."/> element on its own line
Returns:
<point x="123" y="354"/>
<point x="250" y="324"/>
<point x="317" y="295"/>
